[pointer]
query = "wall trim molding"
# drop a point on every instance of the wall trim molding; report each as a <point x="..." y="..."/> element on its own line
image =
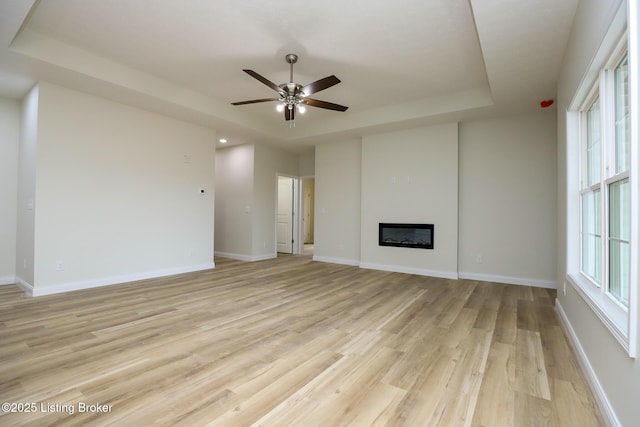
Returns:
<point x="331" y="260"/>
<point x="410" y="270"/>
<point x="509" y="280"/>
<point x="606" y="409"/>
<point x="7" y="280"/>
<point x="248" y="258"/>
<point x="26" y="287"/>
<point x="107" y="281"/>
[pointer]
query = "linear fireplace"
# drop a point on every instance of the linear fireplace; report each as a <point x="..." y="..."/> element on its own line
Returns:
<point x="406" y="235"/>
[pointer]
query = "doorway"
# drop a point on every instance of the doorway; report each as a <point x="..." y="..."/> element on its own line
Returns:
<point x="308" y="209"/>
<point x="295" y="210"/>
<point x="285" y="215"/>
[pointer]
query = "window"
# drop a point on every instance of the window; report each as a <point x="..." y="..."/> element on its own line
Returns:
<point x="605" y="183"/>
<point x="605" y="194"/>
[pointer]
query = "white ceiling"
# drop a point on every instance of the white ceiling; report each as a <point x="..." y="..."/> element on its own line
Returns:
<point x="406" y="62"/>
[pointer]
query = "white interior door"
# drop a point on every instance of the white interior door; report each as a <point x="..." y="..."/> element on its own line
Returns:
<point x="284" y="226"/>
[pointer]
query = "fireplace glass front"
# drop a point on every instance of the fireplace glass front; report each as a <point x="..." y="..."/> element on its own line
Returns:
<point x="406" y="235"/>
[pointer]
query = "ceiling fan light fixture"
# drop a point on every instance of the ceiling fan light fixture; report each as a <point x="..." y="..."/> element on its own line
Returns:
<point x="292" y="96"/>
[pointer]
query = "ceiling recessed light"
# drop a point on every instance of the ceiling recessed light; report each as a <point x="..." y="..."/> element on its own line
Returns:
<point x="223" y="141"/>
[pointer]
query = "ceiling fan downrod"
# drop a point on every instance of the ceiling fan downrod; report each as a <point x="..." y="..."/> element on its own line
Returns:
<point x="291" y="58"/>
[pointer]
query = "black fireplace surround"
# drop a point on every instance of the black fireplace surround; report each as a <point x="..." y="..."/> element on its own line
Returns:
<point x="405" y="235"/>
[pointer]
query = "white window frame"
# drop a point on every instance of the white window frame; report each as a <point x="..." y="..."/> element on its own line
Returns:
<point x="620" y="320"/>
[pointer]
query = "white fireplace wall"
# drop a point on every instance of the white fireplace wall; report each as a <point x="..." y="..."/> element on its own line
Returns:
<point x="495" y="178"/>
<point x="411" y="176"/>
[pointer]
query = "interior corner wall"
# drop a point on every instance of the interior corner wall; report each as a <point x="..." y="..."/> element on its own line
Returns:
<point x="411" y="176"/>
<point x="234" y="201"/>
<point x="26" y="204"/>
<point x="9" y="149"/>
<point x="337" y="202"/>
<point x="268" y="163"/>
<point x="508" y="199"/>
<point x="121" y="193"/>
<point x="306" y="163"/>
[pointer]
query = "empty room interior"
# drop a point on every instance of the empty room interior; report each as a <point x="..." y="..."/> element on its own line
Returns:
<point x="320" y="213"/>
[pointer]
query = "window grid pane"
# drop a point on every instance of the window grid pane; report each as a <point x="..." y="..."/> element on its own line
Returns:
<point x="619" y="234"/>
<point x="593" y="143"/>
<point x="622" y="132"/>
<point x="591" y="238"/>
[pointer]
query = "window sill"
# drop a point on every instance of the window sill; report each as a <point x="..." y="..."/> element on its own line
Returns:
<point x="613" y="316"/>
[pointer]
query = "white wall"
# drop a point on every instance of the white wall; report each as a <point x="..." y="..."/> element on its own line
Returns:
<point x="615" y="376"/>
<point x="508" y="199"/>
<point x="9" y="147"/>
<point x="411" y="176"/>
<point x="27" y="205"/>
<point x="268" y="163"/>
<point x="337" y="202"/>
<point x="306" y="163"/>
<point x="116" y="198"/>
<point x="234" y="201"/>
<point x="246" y="177"/>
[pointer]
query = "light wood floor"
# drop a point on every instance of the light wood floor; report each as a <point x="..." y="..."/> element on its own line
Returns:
<point x="292" y="342"/>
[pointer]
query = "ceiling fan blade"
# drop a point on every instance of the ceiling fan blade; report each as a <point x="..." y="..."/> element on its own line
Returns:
<point x="319" y="85"/>
<point x="254" y="101"/>
<point x="267" y="82"/>
<point x="324" y="104"/>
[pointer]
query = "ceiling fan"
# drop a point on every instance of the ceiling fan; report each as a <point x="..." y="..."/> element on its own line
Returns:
<point x="293" y="96"/>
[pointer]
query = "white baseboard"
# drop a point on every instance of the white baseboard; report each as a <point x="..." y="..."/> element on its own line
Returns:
<point x="107" y="281"/>
<point x="7" y="280"/>
<point x="248" y="258"/>
<point x="508" y="280"/>
<point x="606" y="409"/>
<point x="330" y="260"/>
<point x="410" y="270"/>
<point x="25" y="286"/>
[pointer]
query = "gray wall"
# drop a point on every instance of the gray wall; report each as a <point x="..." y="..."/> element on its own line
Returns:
<point x="337" y="203"/>
<point x="234" y="201"/>
<point x="508" y="199"/>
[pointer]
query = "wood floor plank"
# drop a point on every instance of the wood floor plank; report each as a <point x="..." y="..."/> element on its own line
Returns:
<point x="531" y="372"/>
<point x="292" y="342"/>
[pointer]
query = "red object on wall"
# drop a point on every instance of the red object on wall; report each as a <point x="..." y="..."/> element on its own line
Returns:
<point x="546" y="103"/>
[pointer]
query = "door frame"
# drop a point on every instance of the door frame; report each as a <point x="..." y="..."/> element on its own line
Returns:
<point x="302" y="212"/>
<point x="296" y="248"/>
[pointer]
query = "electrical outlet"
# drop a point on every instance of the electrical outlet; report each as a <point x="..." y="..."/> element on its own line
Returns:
<point x="479" y="259"/>
<point x="59" y="265"/>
